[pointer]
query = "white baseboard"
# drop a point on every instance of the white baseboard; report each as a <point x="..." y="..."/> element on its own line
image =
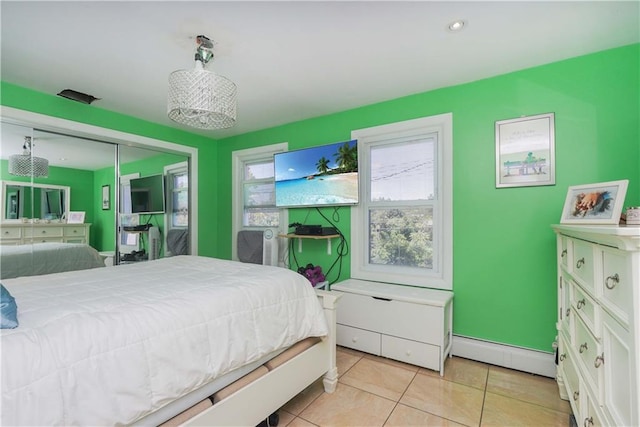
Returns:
<point x="521" y="359"/>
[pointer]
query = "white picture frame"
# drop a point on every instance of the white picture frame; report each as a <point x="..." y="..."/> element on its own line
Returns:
<point x="599" y="203"/>
<point x="525" y="151"/>
<point x="75" y="217"/>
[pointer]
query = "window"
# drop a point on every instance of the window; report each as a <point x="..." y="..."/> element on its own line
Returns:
<point x="128" y="242"/>
<point x="254" y="202"/>
<point x="402" y="229"/>
<point x="177" y="181"/>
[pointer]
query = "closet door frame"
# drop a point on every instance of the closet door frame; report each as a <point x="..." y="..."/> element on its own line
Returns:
<point x="83" y="130"/>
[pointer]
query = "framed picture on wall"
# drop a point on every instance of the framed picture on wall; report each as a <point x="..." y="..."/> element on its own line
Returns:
<point x="525" y="151"/>
<point x="75" y="218"/>
<point x="599" y="203"/>
<point x="106" y="197"/>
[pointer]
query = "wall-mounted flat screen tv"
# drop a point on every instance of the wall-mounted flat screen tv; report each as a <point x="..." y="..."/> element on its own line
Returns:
<point x="147" y="194"/>
<point x="326" y="175"/>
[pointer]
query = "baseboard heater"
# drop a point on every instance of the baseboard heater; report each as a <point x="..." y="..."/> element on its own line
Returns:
<point x="512" y="357"/>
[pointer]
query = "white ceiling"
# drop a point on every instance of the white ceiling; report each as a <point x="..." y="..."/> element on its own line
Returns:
<point x="297" y="59"/>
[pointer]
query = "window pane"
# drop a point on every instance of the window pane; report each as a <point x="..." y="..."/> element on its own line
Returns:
<point x="180" y="209"/>
<point x="259" y="194"/>
<point x="403" y="171"/>
<point x="180" y="181"/>
<point x="260" y="217"/>
<point x="261" y="170"/>
<point x="402" y="237"/>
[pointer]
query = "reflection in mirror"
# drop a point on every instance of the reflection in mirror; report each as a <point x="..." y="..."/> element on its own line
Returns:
<point x="27" y="200"/>
<point x="139" y="163"/>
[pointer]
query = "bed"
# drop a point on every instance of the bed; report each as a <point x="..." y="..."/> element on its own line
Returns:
<point x="45" y="258"/>
<point x="138" y="344"/>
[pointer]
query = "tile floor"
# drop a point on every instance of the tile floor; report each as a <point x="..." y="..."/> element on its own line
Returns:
<point x="374" y="391"/>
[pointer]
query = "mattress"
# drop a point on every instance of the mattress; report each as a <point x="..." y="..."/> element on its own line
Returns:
<point x="113" y="345"/>
<point x="45" y="258"/>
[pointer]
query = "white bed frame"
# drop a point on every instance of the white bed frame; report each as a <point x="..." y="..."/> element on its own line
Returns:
<point x="255" y="402"/>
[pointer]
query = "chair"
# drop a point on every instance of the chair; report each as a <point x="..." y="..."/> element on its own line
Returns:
<point x="178" y="241"/>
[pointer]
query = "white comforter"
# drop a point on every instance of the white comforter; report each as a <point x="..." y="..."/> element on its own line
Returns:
<point x="111" y="345"/>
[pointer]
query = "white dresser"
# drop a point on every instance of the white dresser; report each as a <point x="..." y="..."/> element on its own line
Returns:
<point x="413" y="325"/>
<point x="26" y="233"/>
<point x="598" y="323"/>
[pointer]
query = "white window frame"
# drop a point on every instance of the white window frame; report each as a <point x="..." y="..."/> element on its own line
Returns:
<point x="238" y="159"/>
<point x="125" y="191"/>
<point x="441" y="277"/>
<point x="169" y="171"/>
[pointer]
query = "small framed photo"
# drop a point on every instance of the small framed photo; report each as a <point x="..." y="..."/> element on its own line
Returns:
<point x="75" y="218"/>
<point x="525" y="151"/>
<point x="599" y="203"/>
<point x="106" y="197"/>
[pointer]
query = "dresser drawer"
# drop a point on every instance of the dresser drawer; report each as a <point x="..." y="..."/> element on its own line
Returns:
<point x="563" y="247"/>
<point x="11" y="233"/>
<point x="75" y="231"/>
<point x="416" y="353"/>
<point x="616" y="285"/>
<point x="618" y="383"/>
<point x="358" y="339"/>
<point x="565" y="301"/>
<point x="587" y="348"/>
<point x="585" y="307"/>
<point x="583" y="265"/>
<point x="571" y="377"/>
<point x="38" y="232"/>
<point x="418" y="322"/>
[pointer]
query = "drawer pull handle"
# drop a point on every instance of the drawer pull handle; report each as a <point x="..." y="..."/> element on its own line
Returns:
<point x="576" y="395"/>
<point x="563" y="356"/>
<point x="581" y="304"/>
<point x="408" y="353"/>
<point x="599" y="361"/>
<point x="354" y="339"/>
<point x="382" y="299"/>
<point x="612" y="281"/>
<point x="588" y="422"/>
<point x="568" y="312"/>
<point x="580" y="262"/>
<point x="583" y="348"/>
<point x="44" y="231"/>
<point x="564" y="253"/>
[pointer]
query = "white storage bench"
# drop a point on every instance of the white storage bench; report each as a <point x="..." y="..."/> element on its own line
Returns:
<point x="405" y="323"/>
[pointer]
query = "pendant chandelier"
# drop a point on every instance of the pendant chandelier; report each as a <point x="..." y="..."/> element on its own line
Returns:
<point x="27" y="165"/>
<point x="201" y="98"/>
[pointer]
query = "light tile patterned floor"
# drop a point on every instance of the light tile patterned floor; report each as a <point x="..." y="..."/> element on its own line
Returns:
<point x="374" y="391"/>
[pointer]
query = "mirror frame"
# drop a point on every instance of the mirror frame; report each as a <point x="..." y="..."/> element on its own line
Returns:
<point x="5" y="184"/>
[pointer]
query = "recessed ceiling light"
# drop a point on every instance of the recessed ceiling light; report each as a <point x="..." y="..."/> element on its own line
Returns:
<point x="456" y="26"/>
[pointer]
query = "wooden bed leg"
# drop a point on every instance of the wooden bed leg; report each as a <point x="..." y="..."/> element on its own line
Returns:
<point x="329" y="302"/>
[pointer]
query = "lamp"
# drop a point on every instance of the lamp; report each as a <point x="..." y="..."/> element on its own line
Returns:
<point x="27" y="165"/>
<point x="201" y="98"/>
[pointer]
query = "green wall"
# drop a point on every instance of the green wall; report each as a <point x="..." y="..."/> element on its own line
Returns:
<point x="504" y="249"/>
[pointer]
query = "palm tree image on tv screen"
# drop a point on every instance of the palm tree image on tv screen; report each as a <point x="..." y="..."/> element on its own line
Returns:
<point x="318" y="176"/>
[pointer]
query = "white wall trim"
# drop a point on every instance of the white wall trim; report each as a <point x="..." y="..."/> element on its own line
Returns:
<point x="512" y="357"/>
<point x="55" y="124"/>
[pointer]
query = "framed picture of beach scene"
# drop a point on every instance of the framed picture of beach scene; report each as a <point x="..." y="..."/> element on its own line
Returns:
<point x="599" y="203"/>
<point x="525" y="151"/>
